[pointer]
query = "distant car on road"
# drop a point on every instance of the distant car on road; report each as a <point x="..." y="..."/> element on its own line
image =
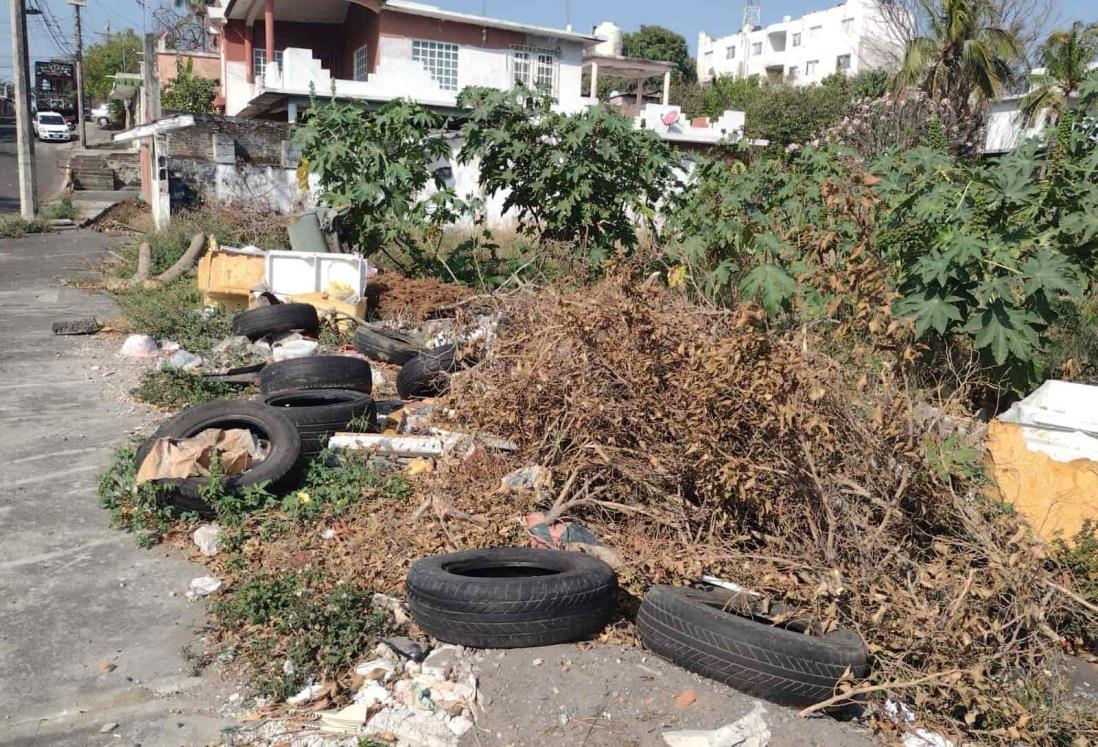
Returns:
<point x="51" y="126"/>
<point x="101" y="115"/>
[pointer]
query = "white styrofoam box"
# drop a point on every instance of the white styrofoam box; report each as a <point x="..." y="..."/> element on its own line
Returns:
<point x="293" y="273"/>
<point x="1059" y="419"/>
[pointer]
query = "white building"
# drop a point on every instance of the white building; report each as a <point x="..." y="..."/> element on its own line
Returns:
<point x="848" y="38"/>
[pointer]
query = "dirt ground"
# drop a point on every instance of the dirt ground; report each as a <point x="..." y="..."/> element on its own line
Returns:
<point x="609" y="696"/>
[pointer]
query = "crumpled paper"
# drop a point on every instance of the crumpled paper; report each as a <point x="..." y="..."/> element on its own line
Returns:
<point x="172" y="458"/>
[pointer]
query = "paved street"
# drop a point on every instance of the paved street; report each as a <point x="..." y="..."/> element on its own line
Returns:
<point x="76" y="597"/>
<point x="49" y="166"/>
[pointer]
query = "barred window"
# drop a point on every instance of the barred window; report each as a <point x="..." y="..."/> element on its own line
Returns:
<point x="361" y="64"/>
<point x="440" y="60"/>
<point x="731" y="53"/>
<point x="520" y="66"/>
<point x="848" y="25"/>
<point x="546" y="73"/>
<point x="797" y="39"/>
<point x="810" y="67"/>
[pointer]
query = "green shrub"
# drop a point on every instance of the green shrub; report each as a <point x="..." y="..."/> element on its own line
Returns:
<point x="176" y="312"/>
<point x="61" y="209"/>
<point x="174" y="389"/>
<point x="15" y="227"/>
<point x="331" y="490"/>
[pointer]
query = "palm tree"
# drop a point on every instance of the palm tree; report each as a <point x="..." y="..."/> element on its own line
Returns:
<point x="964" y="53"/>
<point x="1068" y="55"/>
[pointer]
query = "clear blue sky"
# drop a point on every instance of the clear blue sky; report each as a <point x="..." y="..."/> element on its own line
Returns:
<point x="717" y="17"/>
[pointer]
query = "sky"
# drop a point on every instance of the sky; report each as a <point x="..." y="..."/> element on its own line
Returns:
<point x="51" y="34"/>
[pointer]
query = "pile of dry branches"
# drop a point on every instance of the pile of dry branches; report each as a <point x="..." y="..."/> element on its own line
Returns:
<point x="697" y="441"/>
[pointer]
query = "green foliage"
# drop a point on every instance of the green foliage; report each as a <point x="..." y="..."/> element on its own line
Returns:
<point x="60" y="209"/>
<point x="585" y="178"/>
<point x="322" y="631"/>
<point x="374" y="166"/>
<point x="16" y="227"/>
<point x="1080" y="560"/>
<point x="135" y="508"/>
<point x="175" y="312"/>
<point x="951" y="457"/>
<point x="117" y="53"/>
<point x="174" y="389"/>
<point x="233" y="507"/>
<point x="661" y="44"/>
<point x="331" y="490"/>
<point x="869" y="84"/>
<point x="188" y="92"/>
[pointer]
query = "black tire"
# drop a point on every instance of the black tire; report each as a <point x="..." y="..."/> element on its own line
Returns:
<point x="511" y="597"/>
<point x="278" y="319"/>
<point x="690" y="628"/>
<point x="427" y="375"/>
<point x="277" y="469"/>
<point x="386" y="346"/>
<point x="316" y="372"/>
<point x="318" y="413"/>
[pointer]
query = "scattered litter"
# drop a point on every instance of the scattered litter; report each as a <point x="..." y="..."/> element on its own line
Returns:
<point x="537" y="662"/>
<point x="749" y="731"/>
<point x="172" y="355"/>
<point x="346" y="720"/>
<point x="106" y="666"/>
<point x="397" y="608"/>
<point x="203" y="586"/>
<point x="686" y="699"/>
<point x="108" y="727"/>
<point x="372" y="693"/>
<point x="140" y="346"/>
<point x="307" y="694"/>
<point x="439" y="442"/>
<point x="406" y="727"/>
<point x="236" y="345"/>
<point x="419" y="466"/>
<point x="379" y="670"/>
<point x="299" y="348"/>
<point x="568" y="535"/>
<point x="534" y="477"/>
<point x="328" y="533"/>
<point x="730" y="585"/>
<point x="408" y="648"/>
<point x="77" y="327"/>
<point x="171" y="458"/>
<point x="208" y="537"/>
<point x="899" y="713"/>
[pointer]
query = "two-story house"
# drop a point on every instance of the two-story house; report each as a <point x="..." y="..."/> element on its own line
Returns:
<point x="852" y="36"/>
<point x="275" y="52"/>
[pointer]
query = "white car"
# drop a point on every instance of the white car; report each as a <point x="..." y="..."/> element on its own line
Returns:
<point x="51" y="126"/>
<point x="101" y="115"/>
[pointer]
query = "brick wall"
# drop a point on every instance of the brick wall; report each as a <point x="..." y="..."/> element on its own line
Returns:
<point x="258" y="141"/>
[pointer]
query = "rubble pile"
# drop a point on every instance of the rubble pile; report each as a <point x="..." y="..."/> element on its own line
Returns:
<point x="694" y="441"/>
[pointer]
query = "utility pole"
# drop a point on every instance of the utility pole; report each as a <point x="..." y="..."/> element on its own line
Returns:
<point x="24" y="143"/>
<point x="77" y="5"/>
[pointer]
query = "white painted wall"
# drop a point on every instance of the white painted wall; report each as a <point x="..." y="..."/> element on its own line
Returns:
<point x="399" y="76"/>
<point x="824" y="38"/>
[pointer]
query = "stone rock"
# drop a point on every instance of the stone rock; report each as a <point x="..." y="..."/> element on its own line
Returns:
<point x="77" y="327"/>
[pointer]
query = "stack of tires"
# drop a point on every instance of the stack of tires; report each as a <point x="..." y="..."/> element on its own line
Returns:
<point x="304" y="401"/>
<point x="424" y="372"/>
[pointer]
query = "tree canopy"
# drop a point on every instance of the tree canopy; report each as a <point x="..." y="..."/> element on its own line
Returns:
<point x="662" y="44"/>
<point x="118" y="53"/>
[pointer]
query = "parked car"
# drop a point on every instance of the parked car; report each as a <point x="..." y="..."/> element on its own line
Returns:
<point x="101" y="115"/>
<point x="70" y="120"/>
<point x="51" y="126"/>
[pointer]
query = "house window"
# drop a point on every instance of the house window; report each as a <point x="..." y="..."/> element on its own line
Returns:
<point x="810" y="67"/>
<point x="797" y="39"/>
<point x="440" y="60"/>
<point x="535" y="68"/>
<point x="848" y="25"/>
<point x="842" y="62"/>
<point x="794" y="72"/>
<point x="730" y="54"/>
<point x="259" y="61"/>
<point x="361" y="64"/>
<point x="814" y="32"/>
<point x="756" y="49"/>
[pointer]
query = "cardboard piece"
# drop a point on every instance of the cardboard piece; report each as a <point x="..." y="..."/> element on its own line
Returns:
<point x="172" y="458"/>
<point x="226" y="275"/>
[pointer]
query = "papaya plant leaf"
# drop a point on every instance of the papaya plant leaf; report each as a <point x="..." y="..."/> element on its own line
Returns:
<point x="931" y="309"/>
<point x="770" y="285"/>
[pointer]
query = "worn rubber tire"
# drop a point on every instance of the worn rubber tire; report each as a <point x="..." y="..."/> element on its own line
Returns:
<point x="386" y="346"/>
<point x="278" y="319"/>
<point x="318" y="413"/>
<point x="316" y="372"/>
<point x="760" y="659"/>
<point x="572" y="601"/>
<point x="277" y="469"/>
<point x="427" y="375"/>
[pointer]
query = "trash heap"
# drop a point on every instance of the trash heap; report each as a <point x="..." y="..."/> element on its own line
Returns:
<point x="695" y="441"/>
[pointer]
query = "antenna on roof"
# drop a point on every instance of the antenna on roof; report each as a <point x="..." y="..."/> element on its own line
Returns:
<point x="752" y="12"/>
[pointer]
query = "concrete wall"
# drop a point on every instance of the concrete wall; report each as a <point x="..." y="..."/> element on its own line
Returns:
<point x="205" y="64"/>
<point x="824" y="37"/>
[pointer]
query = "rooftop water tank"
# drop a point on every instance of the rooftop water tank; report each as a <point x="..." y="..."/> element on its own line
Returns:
<point x="612" y="38"/>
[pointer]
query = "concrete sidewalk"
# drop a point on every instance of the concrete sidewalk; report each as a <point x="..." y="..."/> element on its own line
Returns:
<point x="74" y="594"/>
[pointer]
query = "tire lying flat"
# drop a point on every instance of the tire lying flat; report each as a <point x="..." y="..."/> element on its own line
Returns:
<point x="277" y="319"/>
<point x="318" y="413"/>
<point x="427" y="375"/>
<point x="385" y="345"/>
<point x="316" y="372"/>
<point x="277" y="469"/>
<point x="511" y="597"/>
<point x="690" y="628"/>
